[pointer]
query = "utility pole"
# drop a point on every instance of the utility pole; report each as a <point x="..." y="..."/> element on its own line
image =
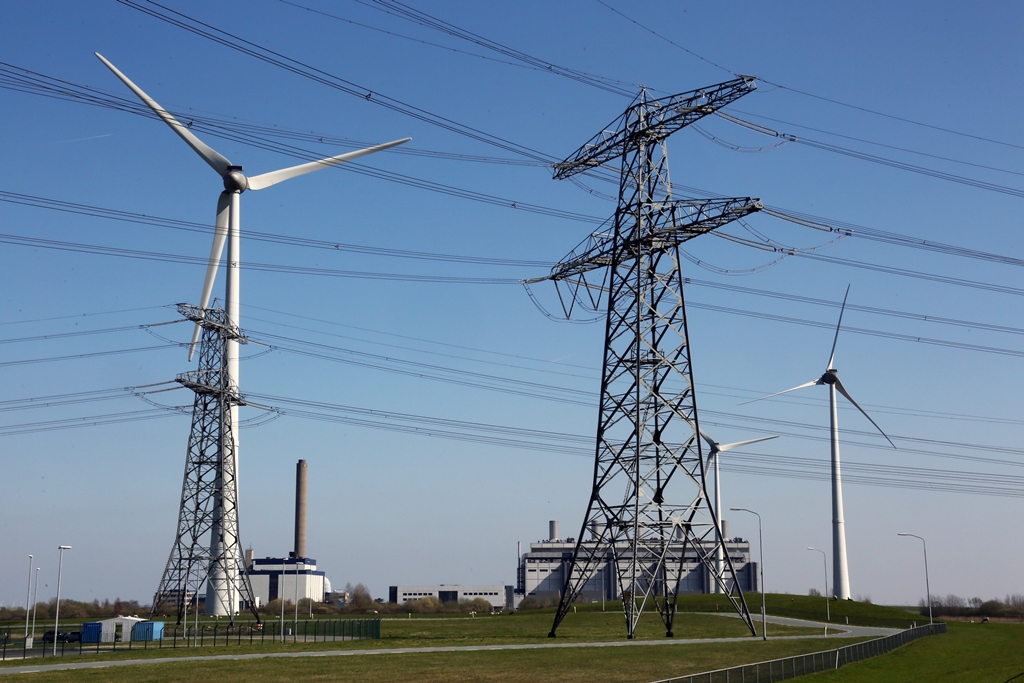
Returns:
<point x="207" y="547"/>
<point x="649" y="498"/>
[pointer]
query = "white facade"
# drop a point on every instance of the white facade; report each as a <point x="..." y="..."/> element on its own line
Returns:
<point x="292" y="578"/>
<point x="541" y="571"/>
<point x="498" y="596"/>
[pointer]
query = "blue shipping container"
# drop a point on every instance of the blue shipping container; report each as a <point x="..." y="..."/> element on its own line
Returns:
<point x="91" y="631"/>
<point x="148" y="630"/>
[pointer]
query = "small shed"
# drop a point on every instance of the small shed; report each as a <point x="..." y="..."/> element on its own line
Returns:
<point x="92" y="631"/>
<point x="118" y="629"/>
<point x="148" y="630"/>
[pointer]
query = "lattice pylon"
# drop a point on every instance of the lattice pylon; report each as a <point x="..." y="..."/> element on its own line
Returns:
<point x="207" y="547"/>
<point x="649" y="503"/>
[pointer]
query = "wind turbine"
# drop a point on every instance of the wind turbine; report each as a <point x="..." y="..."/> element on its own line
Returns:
<point x="715" y="449"/>
<point x="228" y="228"/>
<point x="830" y="378"/>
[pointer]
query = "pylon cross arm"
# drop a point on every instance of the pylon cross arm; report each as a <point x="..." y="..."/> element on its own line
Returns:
<point x="635" y="126"/>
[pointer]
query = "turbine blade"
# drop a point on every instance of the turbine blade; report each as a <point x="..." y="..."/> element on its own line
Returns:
<point x="730" y="446"/>
<point x="780" y="393"/>
<point x="220" y="234"/>
<point x="265" y="180"/>
<point x="711" y="442"/>
<point x="842" y="390"/>
<point x="832" y="356"/>
<point x="216" y="161"/>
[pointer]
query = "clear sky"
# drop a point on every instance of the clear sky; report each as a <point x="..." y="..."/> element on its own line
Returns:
<point x="928" y="90"/>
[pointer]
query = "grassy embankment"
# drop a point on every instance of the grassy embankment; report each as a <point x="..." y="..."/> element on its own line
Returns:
<point x="968" y="652"/>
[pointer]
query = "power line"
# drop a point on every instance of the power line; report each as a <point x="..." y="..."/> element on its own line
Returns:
<point x="330" y="80"/>
<point x="255" y="235"/>
<point x="822" y="98"/>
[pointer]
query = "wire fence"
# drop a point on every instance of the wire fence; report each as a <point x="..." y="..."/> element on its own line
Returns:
<point x="800" y="665"/>
<point x="206" y="635"/>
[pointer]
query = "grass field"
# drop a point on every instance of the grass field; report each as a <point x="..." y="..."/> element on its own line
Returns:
<point x="974" y="653"/>
<point x="969" y="652"/>
<point x="632" y="664"/>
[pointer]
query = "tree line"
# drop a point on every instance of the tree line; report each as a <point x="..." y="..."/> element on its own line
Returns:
<point x="1011" y="607"/>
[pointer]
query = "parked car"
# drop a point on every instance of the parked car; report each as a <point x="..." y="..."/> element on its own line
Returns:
<point x="62" y="637"/>
<point x="74" y="636"/>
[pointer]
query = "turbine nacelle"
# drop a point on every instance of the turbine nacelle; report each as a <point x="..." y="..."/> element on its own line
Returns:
<point x="235" y="180"/>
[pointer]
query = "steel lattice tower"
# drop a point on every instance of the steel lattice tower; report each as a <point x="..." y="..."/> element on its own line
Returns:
<point x="649" y="503"/>
<point x="207" y="546"/>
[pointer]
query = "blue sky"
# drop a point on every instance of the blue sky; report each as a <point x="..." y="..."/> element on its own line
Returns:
<point x="390" y="507"/>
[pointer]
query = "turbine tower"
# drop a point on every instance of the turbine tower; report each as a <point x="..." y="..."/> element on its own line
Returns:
<point x="228" y="228"/>
<point x="649" y="497"/>
<point x="830" y="378"/>
<point x="713" y="454"/>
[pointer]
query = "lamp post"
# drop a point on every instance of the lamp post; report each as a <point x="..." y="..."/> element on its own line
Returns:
<point x="280" y="594"/>
<point x="760" y="545"/>
<point x="824" y="563"/>
<point x="927" y="587"/>
<point x="295" y="634"/>
<point x="35" y="593"/>
<point x="56" y="616"/>
<point x="28" y="597"/>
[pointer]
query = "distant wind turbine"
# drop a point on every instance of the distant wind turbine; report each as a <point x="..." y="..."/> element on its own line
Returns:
<point x="717" y="448"/>
<point x="830" y="378"/>
<point x="228" y="228"/>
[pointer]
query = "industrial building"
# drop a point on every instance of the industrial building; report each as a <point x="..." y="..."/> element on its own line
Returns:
<point x="500" y="597"/>
<point x="541" y="571"/>
<point x="294" y="577"/>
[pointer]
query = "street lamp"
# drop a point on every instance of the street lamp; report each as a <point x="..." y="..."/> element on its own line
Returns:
<point x="56" y="616"/>
<point x="296" y="626"/>
<point x="280" y="594"/>
<point x="824" y="563"/>
<point x="28" y="596"/>
<point x="760" y="544"/>
<point x="927" y="587"/>
<point x="35" y="593"/>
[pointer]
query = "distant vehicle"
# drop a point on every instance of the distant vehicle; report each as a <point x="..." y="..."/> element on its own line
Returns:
<point x="74" y="637"/>
<point x="62" y="637"/>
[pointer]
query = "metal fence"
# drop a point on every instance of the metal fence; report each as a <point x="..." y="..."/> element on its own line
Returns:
<point x="207" y="635"/>
<point x="800" y="665"/>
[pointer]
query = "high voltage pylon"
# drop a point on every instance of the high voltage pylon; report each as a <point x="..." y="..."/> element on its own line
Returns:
<point x="207" y="547"/>
<point x="649" y="503"/>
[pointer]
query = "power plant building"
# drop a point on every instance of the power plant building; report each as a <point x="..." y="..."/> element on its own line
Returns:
<point x="541" y="571"/>
<point x="500" y="597"/>
<point x="291" y="578"/>
<point x="294" y="577"/>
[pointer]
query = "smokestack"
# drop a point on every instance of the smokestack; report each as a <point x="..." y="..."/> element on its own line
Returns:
<point x="301" y="482"/>
<point x="553" y="530"/>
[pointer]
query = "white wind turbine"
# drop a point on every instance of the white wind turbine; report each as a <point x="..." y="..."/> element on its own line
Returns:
<point x="717" y="448"/>
<point x="830" y="378"/>
<point x="228" y="228"/>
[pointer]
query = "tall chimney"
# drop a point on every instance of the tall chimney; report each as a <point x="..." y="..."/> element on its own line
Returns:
<point x="301" y="482"/>
<point x="553" y="530"/>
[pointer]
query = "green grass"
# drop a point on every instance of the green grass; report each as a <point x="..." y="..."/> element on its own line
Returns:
<point x="640" y="662"/>
<point x="571" y="665"/>
<point x="809" y="607"/>
<point x="978" y="653"/>
<point x="589" y="625"/>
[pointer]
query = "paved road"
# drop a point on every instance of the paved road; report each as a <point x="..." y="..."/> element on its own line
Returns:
<point x="846" y="632"/>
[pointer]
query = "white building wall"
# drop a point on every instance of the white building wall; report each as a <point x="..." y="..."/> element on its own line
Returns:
<point x="492" y="594"/>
